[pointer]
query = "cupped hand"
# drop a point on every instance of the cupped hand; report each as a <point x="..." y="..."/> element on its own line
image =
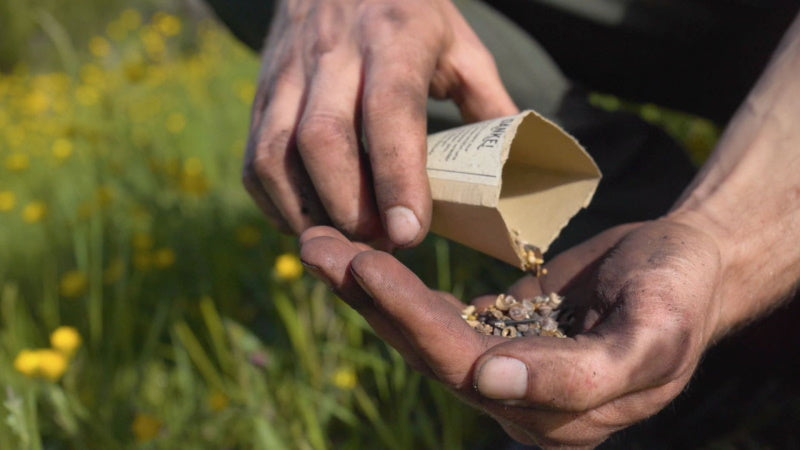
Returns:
<point x="645" y="306"/>
<point x="342" y="76"/>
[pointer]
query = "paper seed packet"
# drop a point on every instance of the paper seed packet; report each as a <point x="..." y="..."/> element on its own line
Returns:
<point x="505" y="183"/>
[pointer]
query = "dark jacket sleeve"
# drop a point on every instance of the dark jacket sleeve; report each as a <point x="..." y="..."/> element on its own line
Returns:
<point x="248" y="20"/>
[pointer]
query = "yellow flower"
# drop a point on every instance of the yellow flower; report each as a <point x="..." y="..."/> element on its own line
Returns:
<point x="153" y="42"/>
<point x="145" y="427"/>
<point x="131" y="19"/>
<point x="167" y="24"/>
<point x="37" y="102"/>
<point x="116" y="30"/>
<point x="248" y="235"/>
<point x="99" y="47"/>
<point x="65" y="339"/>
<point x="34" y="212"/>
<point x="27" y="362"/>
<point x="142" y="241"/>
<point x="62" y="149"/>
<point x="43" y="362"/>
<point x="288" y="267"/>
<point x="163" y="257"/>
<point x="175" y="123"/>
<point x="217" y="401"/>
<point x="192" y="167"/>
<point x="52" y="364"/>
<point x="7" y="200"/>
<point x="73" y="284"/>
<point x="345" y="378"/>
<point x="17" y="162"/>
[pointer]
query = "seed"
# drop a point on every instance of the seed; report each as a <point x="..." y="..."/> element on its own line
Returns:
<point x="504" y="302"/>
<point x="549" y="325"/>
<point x="555" y="299"/>
<point x="468" y="311"/>
<point x="509" y="332"/>
<point x="544" y="311"/>
<point x="528" y="305"/>
<point x="523" y="327"/>
<point x="517" y="312"/>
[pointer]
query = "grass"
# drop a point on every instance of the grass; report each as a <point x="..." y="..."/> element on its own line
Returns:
<point x="122" y="217"/>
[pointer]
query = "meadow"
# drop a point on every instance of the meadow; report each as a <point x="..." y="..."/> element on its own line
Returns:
<point x="144" y="301"/>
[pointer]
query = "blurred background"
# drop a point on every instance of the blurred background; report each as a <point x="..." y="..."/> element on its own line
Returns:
<point x="143" y="299"/>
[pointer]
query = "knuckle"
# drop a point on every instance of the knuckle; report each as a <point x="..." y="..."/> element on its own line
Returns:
<point x="383" y="14"/>
<point x="266" y="164"/>
<point x="319" y="132"/>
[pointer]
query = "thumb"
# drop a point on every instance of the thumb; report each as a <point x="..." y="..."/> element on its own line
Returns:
<point x="571" y="374"/>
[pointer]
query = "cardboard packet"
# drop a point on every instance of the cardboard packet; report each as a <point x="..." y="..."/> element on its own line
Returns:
<point x="503" y="183"/>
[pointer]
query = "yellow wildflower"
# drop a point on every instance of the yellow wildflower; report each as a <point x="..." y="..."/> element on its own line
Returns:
<point x="131" y="19"/>
<point x="116" y="30"/>
<point x="145" y="427"/>
<point x="7" y="200"/>
<point x="163" y="257"/>
<point x="73" y="284"/>
<point x="37" y="102"/>
<point x="192" y="167"/>
<point x="175" y="123"/>
<point x="99" y="47"/>
<point x="288" y="267"/>
<point x="34" y="212"/>
<point x="66" y="340"/>
<point x="114" y="271"/>
<point x="345" y="378"/>
<point x="17" y="162"/>
<point x="142" y="241"/>
<point x="52" y="364"/>
<point x="217" y="401"/>
<point x="27" y="362"/>
<point x="62" y="149"/>
<point x="153" y="42"/>
<point x="167" y="24"/>
<point x="248" y="235"/>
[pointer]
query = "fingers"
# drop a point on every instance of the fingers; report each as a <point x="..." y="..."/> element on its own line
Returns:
<point x="398" y="64"/>
<point x="432" y="325"/>
<point x="273" y="171"/>
<point x="328" y="254"/>
<point x="469" y="76"/>
<point x="330" y="146"/>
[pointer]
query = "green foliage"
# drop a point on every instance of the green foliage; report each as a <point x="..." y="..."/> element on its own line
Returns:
<point x="122" y="216"/>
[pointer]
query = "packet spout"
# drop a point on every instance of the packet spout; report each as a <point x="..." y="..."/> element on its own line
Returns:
<point x="504" y="185"/>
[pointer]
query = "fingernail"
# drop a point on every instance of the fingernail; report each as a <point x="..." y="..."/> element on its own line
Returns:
<point x="310" y="268"/>
<point x="401" y="225"/>
<point x="503" y="378"/>
<point x="316" y="272"/>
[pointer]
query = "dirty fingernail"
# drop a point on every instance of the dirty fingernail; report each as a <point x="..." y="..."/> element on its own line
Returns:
<point x="503" y="378"/>
<point x="401" y="225"/>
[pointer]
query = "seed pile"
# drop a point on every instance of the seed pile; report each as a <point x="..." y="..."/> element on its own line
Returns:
<point x="511" y="318"/>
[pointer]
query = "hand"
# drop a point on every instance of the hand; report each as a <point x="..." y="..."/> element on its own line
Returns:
<point x="646" y="306"/>
<point x="336" y="70"/>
